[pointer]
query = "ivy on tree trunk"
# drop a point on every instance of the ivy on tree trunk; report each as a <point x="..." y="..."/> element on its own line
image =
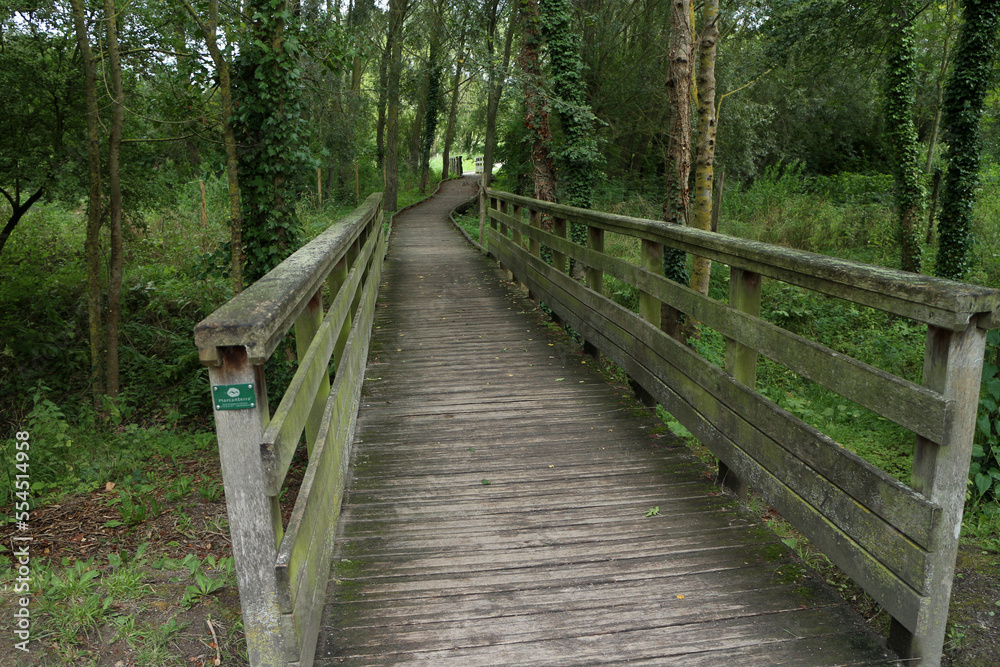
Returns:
<point x="536" y="107"/>
<point x="900" y="85"/>
<point x="964" y="99"/>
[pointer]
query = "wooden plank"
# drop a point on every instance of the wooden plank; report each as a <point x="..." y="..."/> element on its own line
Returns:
<point x="916" y="408"/>
<point x="849" y="555"/>
<point x="249" y="510"/>
<point x="302" y="564"/>
<point x="876" y="490"/>
<point x="282" y="434"/>
<point x="936" y="301"/>
<point x="260" y="315"/>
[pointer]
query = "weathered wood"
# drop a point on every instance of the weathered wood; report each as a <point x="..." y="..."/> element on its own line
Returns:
<point x="953" y="365"/>
<point x="302" y="564"/>
<point x="282" y="434"/>
<point x="746" y="418"/>
<point x="884" y="585"/>
<point x="260" y="315"/>
<point x="944" y="303"/>
<point x="916" y="408"/>
<point x="553" y="561"/>
<point x="306" y="326"/>
<point x="249" y="510"/>
<point x="741" y="361"/>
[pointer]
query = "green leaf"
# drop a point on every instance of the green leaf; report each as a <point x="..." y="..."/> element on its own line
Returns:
<point x="983" y="483"/>
<point x="984" y="423"/>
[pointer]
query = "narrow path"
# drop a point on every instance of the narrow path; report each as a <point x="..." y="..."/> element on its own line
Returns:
<point x="497" y="513"/>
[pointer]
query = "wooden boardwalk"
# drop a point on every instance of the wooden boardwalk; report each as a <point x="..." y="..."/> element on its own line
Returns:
<point x="498" y="501"/>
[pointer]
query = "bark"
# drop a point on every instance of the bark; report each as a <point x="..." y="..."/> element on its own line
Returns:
<point x="17" y="212"/>
<point x="494" y="91"/>
<point x="209" y="30"/>
<point x="677" y="201"/>
<point x="115" y="198"/>
<point x="92" y="247"/>
<point x="939" y="88"/>
<point x="431" y="112"/>
<point x="449" y="132"/>
<point x="383" y="82"/>
<point x="397" y="11"/>
<point x="704" y="179"/>
<point x="536" y="108"/>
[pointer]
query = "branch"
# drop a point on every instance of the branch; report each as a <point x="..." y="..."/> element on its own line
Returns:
<point x="718" y="107"/>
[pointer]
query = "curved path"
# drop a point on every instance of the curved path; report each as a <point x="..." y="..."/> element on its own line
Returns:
<point x="508" y="506"/>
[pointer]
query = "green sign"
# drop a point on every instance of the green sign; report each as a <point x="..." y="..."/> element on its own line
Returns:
<point x="234" y="396"/>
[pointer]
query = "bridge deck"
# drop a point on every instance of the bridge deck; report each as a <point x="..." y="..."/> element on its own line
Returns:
<point x="498" y="501"/>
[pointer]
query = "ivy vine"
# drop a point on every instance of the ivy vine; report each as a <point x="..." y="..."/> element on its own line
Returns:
<point x="900" y="95"/>
<point x="964" y="100"/>
<point x="272" y="133"/>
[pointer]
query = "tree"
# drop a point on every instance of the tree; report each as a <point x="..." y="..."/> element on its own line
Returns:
<point x="39" y="123"/>
<point x="394" y="46"/>
<point x="964" y="98"/>
<point x="678" y="169"/>
<point x="494" y="90"/>
<point x="209" y="29"/>
<point x="704" y="179"/>
<point x="272" y="133"/>
<point x="116" y="259"/>
<point x="899" y="100"/>
<point x="536" y="107"/>
<point x="92" y="246"/>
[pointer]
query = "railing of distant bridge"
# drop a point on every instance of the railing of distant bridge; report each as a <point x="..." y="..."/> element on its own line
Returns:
<point x="898" y="542"/>
<point x="282" y="570"/>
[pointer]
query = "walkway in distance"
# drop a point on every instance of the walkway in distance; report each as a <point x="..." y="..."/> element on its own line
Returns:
<point x="499" y="493"/>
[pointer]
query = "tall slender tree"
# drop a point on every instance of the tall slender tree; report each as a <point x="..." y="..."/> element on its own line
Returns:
<point x="964" y="98"/>
<point x="536" y="106"/>
<point x="704" y="179"/>
<point x="676" y="204"/>
<point x="397" y="13"/>
<point x="116" y="259"/>
<point x="93" y="240"/>
<point x="900" y="87"/>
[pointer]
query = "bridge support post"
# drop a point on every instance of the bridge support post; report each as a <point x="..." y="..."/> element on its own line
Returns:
<point x="595" y="278"/>
<point x="741" y="361"/>
<point x="953" y="366"/>
<point x="534" y="247"/>
<point x="251" y="512"/>
<point x="649" y="306"/>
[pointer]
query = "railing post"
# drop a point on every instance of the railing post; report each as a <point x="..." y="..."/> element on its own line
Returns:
<point x="741" y="361"/>
<point x="649" y="305"/>
<point x="953" y="365"/>
<point x="534" y="247"/>
<point x="595" y="278"/>
<point x="336" y="279"/>
<point x="483" y="203"/>
<point x="251" y="526"/>
<point x="306" y="326"/>
<point x="501" y="227"/>
<point x="558" y="258"/>
<point x="517" y="237"/>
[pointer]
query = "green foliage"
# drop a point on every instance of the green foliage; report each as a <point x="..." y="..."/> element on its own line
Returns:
<point x="964" y="100"/>
<point x="273" y="135"/>
<point x="984" y="471"/>
<point x="900" y="87"/>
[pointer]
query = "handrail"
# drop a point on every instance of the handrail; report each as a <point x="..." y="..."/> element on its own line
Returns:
<point x="897" y="541"/>
<point x="282" y="569"/>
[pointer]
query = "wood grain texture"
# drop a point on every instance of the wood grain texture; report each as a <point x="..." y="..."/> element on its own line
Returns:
<point x="496" y="513"/>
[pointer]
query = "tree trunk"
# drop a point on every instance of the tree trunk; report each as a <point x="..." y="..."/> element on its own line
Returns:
<point x="964" y="100"/>
<point x="92" y="244"/>
<point x="901" y="75"/>
<point x="677" y="201"/>
<point x="536" y="108"/>
<point x="383" y="82"/>
<point x="431" y="112"/>
<point x="209" y="31"/>
<point x="17" y="211"/>
<point x="397" y="11"/>
<point x="494" y="91"/>
<point x="449" y="132"/>
<point x="939" y="86"/>
<point x="115" y="267"/>
<point x="704" y="179"/>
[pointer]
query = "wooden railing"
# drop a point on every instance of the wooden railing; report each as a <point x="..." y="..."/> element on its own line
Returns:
<point x="282" y="570"/>
<point x="898" y="542"/>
